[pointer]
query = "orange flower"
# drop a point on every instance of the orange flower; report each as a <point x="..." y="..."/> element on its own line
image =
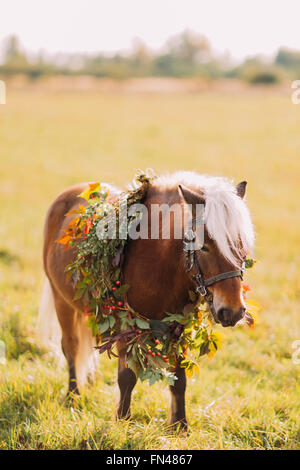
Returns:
<point x="64" y="240"/>
<point x="246" y="287"/>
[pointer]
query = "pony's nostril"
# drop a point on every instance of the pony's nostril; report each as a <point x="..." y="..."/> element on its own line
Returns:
<point x="229" y="317"/>
<point x="225" y="315"/>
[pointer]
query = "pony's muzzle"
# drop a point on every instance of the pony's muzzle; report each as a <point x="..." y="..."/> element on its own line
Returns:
<point x="228" y="317"/>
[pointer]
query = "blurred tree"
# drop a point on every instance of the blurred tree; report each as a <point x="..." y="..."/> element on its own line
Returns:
<point x="255" y="71"/>
<point x="184" y="55"/>
<point x="190" y="47"/>
<point x="13" y="53"/>
<point x="289" y="60"/>
<point x="141" y="59"/>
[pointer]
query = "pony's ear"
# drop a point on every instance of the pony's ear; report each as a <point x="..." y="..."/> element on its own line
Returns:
<point x="190" y="196"/>
<point x="241" y="189"/>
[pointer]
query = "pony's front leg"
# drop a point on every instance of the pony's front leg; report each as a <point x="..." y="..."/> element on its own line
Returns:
<point x="126" y="382"/>
<point x="178" y="417"/>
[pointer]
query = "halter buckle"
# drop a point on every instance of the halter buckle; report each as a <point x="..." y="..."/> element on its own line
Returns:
<point x="201" y="290"/>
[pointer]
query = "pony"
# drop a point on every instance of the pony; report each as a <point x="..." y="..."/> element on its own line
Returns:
<point x="156" y="271"/>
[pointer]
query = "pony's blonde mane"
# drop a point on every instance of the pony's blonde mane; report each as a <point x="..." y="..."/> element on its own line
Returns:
<point x="227" y="217"/>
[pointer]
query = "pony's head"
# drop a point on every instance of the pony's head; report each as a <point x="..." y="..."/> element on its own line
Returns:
<point x="228" y="238"/>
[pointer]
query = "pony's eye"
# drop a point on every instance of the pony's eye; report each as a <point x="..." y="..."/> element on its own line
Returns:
<point x="204" y="248"/>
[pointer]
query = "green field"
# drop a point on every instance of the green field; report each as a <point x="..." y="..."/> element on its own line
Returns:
<point x="247" y="396"/>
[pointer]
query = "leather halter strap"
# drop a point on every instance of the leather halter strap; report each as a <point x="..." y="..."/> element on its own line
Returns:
<point x="220" y="277"/>
<point x="192" y="259"/>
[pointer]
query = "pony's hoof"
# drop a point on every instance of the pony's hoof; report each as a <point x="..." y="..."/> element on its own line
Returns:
<point x="180" y="426"/>
<point x="73" y="399"/>
<point x="121" y="415"/>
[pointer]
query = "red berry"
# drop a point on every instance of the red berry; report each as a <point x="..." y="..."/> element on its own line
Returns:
<point x="158" y="354"/>
<point x="156" y="341"/>
<point x="166" y="360"/>
<point x="113" y="308"/>
<point x="139" y="332"/>
<point x="113" y="289"/>
<point x="120" y="304"/>
<point x="164" y="357"/>
<point x="153" y="354"/>
<point x="111" y="299"/>
<point x="118" y="283"/>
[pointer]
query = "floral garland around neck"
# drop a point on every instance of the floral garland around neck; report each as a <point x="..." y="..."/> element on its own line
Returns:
<point x="153" y="347"/>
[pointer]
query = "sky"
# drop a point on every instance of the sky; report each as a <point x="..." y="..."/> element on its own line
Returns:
<point x="240" y="27"/>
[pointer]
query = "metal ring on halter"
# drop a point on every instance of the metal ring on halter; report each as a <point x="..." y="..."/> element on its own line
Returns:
<point x="201" y="290"/>
<point x="189" y="237"/>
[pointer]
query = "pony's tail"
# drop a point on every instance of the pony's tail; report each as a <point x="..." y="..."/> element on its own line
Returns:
<point x="48" y="329"/>
<point x="50" y="334"/>
<point x="87" y="357"/>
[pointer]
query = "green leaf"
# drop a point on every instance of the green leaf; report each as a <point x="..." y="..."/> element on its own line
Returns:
<point x="159" y="327"/>
<point x="186" y="363"/>
<point x="170" y="378"/>
<point x="133" y="365"/>
<point x="86" y="297"/>
<point x="204" y="349"/>
<point x="78" y="294"/>
<point x="81" y="284"/>
<point x="122" y="290"/>
<point x="155" y="377"/>
<point x="124" y="324"/>
<point x="249" y="263"/>
<point x="174" y="317"/>
<point x="116" y="274"/>
<point x="112" y="321"/>
<point x="102" y="327"/>
<point x="143" y="324"/>
<point x="122" y="314"/>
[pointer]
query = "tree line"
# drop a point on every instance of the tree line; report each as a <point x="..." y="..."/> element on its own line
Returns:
<point x="188" y="54"/>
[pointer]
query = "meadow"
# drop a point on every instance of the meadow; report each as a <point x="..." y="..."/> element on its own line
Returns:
<point x="248" y="395"/>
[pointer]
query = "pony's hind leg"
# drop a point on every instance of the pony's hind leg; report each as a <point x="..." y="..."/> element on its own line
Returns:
<point x="68" y="319"/>
<point x="126" y="382"/>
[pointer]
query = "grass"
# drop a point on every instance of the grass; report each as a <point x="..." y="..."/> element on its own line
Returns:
<point x="247" y="396"/>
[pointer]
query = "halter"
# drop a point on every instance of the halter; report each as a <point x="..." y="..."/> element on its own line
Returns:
<point x="192" y="260"/>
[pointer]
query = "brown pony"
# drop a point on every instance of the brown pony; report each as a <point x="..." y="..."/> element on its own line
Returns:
<point x="156" y="271"/>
